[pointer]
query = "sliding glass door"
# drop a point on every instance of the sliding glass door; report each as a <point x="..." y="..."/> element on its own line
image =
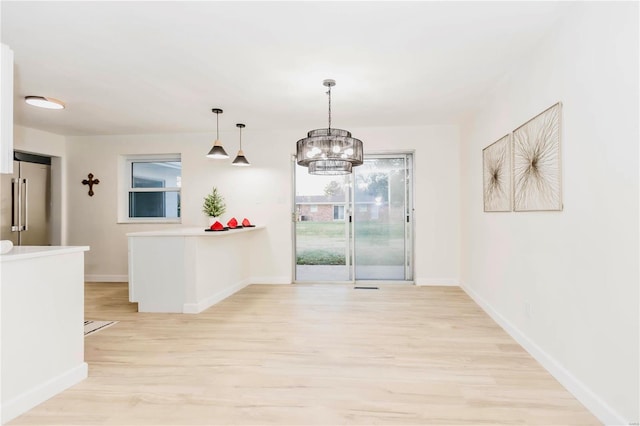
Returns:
<point x="355" y="227"/>
<point x="381" y="219"/>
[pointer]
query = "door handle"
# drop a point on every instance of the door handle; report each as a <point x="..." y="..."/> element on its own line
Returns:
<point x="15" y="205"/>
<point x="25" y="226"/>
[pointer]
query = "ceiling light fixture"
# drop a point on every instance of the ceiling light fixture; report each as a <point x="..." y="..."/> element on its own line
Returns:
<point x="240" y="159"/>
<point x="329" y="151"/>
<point x="330" y="167"/>
<point x="44" y="102"/>
<point x="217" y="151"/>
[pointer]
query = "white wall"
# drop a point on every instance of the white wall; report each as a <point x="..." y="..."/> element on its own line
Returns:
<point x="34" y="141"/>
<point x="577" y="269"/>
<point x="262" y="192"/>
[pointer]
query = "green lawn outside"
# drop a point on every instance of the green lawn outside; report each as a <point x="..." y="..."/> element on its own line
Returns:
<point x="373" y="230"/>
<point x="323" y="243"/>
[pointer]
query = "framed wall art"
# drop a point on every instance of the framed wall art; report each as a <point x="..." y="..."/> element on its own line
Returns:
<point x="537" y="179"/>
<point x="496" y="160"/>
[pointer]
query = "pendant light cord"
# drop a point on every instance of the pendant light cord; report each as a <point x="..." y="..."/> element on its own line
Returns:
<point x="329" y="93"/>
<point x="217" y="130"/>
<point x="240" y="138"/>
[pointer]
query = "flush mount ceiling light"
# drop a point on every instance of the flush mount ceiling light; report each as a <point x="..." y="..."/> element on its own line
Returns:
<point x="240" y="159"/>
<point x="329" y="151"/>
<point x="44" y="102"/>
<point x="217" y="151"/>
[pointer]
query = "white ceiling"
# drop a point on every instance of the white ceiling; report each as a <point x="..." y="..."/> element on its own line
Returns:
<point x="159" y="67"/>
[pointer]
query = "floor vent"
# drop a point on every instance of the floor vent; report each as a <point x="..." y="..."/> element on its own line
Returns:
<point x="366" y="288"/>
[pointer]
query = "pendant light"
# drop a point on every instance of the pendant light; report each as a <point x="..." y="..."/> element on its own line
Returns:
<point x="217" y="151"/>
<point x="240" y="159"/>
<point x="329" y="151"/>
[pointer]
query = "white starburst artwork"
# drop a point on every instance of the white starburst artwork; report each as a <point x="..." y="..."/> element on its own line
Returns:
<point x="536" y="162"/>
<point x="496" y="159"/>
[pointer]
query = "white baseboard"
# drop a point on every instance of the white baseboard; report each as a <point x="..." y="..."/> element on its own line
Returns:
<point x="586" y="396"/>
<point x="29" y="399"/>
<point x="196" y="308"/>
<point x="95" y="278"/>
<point x="106" y="278"/>
<point x="448" y="282"/>
<point x="270" y="280"/>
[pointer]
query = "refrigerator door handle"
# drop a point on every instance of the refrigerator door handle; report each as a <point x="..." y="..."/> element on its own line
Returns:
<point x="16" y="210"/>
<point x="25" y="225"/>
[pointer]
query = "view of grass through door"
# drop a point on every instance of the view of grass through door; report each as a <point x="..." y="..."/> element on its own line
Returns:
<point x="380" y="209"/>
<point x="322" y="231"/>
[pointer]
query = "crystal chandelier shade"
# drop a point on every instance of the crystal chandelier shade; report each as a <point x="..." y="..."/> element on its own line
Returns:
<point x="329" y="151"/>
<point x="330" y="167"/>
<point x="329" y="144"/>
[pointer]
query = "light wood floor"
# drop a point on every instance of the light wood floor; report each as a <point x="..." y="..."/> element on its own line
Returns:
<point x="308" y="355"/>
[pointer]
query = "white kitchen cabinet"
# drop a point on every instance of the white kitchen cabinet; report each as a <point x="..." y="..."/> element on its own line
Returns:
<point x="188" y="270"/>
<point x="6" y="109"/>
<point x="42" y="325"/>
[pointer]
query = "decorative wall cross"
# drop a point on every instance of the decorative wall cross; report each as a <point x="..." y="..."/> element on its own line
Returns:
<point x="91" y="181"/>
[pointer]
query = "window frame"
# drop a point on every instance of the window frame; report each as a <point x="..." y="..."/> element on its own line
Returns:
<point x="125" y="187"/>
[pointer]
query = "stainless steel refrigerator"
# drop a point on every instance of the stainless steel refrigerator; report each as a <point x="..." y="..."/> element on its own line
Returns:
<point x="25" y="202"/>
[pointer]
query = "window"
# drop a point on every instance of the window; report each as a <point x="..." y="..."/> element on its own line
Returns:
<point x="152" y="188"/>
<point x="313" y="208"/>
<point x="338" y="212"/>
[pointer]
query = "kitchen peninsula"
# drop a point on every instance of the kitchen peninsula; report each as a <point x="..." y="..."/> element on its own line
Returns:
<point x="42" y="303"/>
<point x="187" y="270"/>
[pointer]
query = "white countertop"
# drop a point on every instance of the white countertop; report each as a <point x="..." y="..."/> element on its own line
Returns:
<point x="192" y="232"/>
<point x="27" y="252"/>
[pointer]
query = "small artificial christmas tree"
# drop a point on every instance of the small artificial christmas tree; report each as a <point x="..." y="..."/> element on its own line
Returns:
<point x="214" y="205"/>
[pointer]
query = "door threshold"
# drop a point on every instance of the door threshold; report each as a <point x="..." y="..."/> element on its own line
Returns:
<point x="360" y="283"/>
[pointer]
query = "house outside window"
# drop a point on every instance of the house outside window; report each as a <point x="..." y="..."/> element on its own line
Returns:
<point x="338" y="212"/>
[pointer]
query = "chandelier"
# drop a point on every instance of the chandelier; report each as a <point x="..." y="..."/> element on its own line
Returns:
<point x="329" y="151"/>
